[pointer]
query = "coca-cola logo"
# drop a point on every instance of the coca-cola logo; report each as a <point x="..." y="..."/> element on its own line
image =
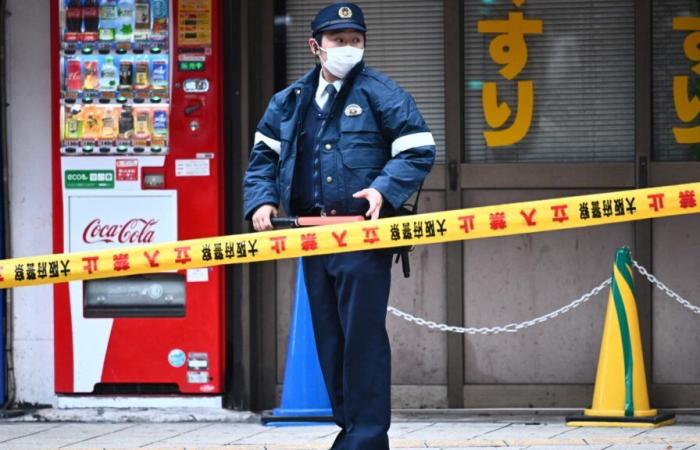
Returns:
<point x="134" y="231"/>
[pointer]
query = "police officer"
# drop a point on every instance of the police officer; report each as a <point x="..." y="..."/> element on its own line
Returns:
<point x="343" y="140"/>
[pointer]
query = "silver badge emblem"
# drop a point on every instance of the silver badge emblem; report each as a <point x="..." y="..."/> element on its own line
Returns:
<point x="345" y="12"/>
<point x="353" y="110"/>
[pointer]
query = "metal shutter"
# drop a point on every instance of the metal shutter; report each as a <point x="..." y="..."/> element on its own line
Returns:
<point x="669" y="60"/>
<point x="404" y="40"/>
<point x="583" y="73"/>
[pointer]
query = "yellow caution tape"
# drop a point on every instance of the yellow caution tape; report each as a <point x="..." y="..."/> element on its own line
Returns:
<point x="431" y="228"/>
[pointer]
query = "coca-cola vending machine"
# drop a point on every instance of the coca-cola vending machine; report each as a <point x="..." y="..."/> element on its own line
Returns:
<point x="137" y="152"/>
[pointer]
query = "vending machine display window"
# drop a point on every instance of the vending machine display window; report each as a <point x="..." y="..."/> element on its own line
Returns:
<point x="115" y="67"/>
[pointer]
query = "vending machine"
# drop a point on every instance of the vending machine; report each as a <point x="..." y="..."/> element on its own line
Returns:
<point x="137" y="159"/>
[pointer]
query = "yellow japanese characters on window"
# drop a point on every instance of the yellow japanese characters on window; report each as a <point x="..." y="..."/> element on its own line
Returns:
<point x="509" y="50"/>
<point x="686" y="102"/>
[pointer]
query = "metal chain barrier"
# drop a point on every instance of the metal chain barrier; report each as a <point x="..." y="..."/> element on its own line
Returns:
<point x="665" y="289"/>
<point x="511" y="327"/>
<point x="515" y="327"/>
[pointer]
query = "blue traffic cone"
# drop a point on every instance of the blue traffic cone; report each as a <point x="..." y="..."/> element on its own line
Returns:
<point x="304" y="395"/>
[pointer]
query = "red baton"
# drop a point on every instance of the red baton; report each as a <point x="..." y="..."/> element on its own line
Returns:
<point x="312" y="221"/>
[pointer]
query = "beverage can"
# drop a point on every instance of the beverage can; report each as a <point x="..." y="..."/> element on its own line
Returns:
<point x="110" y="124"/>
<point x="126" y="123"/>
<point x="92" y="123"/>
<point x="142" y="124"/>
<point x="159" y="76"/>
<point x="91" y="79"/>
<point x="142" y="77"/>
<point x="160" y="122"/>
<point x="126" y="74"/>
<point x="160" y="127"/>
<point x="74" y="75"/>
<point x="160" y="19"/>
<point x="74" y="124"/>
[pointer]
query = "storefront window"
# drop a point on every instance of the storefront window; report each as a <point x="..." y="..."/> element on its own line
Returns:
<point x="676" y="84"/>
<point x="405" y="40"/>
<point x="549" y="81"/>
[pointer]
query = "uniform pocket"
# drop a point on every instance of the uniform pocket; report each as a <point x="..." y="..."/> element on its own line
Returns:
<point x="359" y="169"/>
<point x="359" y="131"/>
<point x="363" y="158"/>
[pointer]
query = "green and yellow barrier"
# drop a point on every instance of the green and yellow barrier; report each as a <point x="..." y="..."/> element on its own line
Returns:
<point x="621" y="398"/>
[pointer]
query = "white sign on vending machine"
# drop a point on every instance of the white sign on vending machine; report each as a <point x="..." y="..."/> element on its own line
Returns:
<point x="97" y="220"/>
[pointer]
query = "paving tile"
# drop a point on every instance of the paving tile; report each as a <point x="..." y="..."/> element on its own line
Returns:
<point x="675" y="431"/>
<point x="453" y="430"/>
<point x="298" y="446"/>
<point x="292" y="435"/>
<point x="585" y="432"/>
<point x="647" y="447"/>
<point x="213" y="434"/>
<point x="402" y="429"/>
<point x="135" y="435"/>
<point x="476" y="448"/>
<point x="455" y="443"/>
<point x="233" y="447"/>
<point x="527" y="431"/>
<point x="406" y="443"/>
<point x="566" y="447"/>
<point x="64" y="435"/>
<point x="13" y="431"/>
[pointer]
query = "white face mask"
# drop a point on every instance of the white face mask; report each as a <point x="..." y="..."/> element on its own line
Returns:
<point x="341" y="60"/>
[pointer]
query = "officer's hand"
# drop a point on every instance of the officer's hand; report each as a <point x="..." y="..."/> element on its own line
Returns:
<point x="261" y="217"/>
<point x="375" y="199"/>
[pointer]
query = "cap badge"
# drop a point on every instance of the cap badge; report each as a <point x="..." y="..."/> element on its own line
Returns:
<point x="345" y="12"/>
<point x="353" y="110"/>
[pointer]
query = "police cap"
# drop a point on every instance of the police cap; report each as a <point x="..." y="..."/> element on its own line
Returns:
<point x="338" y="16"/>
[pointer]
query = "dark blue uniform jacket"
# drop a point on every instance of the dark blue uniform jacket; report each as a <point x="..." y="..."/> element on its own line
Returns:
<point x="374" y="137"/>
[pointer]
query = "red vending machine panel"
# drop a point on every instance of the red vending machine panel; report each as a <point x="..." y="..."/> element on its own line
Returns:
<point x="137" y="159"/>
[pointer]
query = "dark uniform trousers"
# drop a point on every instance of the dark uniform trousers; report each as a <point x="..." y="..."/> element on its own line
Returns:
<point x="348" y="293"/>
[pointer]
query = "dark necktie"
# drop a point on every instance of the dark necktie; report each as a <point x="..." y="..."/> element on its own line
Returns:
<point x="330" y="90"/>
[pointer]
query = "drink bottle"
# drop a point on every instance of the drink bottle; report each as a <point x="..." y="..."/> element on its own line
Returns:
<point x="142" y="22"/>
<point x="125" y="21"/>
<point x="108" y="75"/>
<point x="91" y="20"/>
<point x="108" y="20"/>
<point x="74" y="17"/>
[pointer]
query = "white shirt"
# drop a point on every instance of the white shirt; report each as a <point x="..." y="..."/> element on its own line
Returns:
<point x="321" y="94"/>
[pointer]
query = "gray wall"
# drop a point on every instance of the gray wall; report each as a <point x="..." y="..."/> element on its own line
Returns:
<point x="29" y="169"/>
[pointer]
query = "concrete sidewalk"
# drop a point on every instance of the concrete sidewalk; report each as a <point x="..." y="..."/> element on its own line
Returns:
<point x="409" y="431"/>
